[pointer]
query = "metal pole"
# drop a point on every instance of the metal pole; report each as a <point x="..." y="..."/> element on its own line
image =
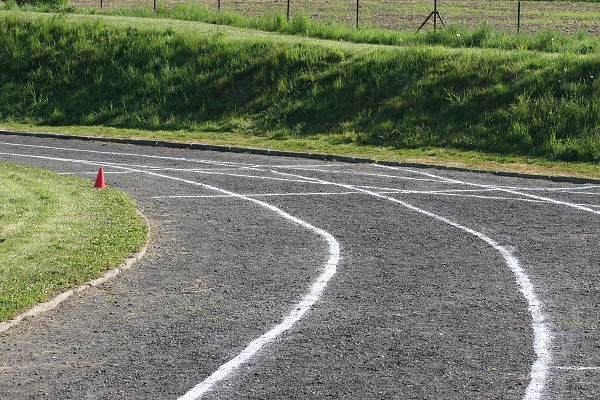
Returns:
<point x="218" y="5"/>
<point x="357" y="6"/>
<point x="435" y="15"/>
<point x="519" y="17"/>
<point x="287" y="15"/>
<point x="101" y="4"/>
<point x="155" y="5"/>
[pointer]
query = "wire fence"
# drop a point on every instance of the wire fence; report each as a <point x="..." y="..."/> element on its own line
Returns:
<point x="510" y="15"/>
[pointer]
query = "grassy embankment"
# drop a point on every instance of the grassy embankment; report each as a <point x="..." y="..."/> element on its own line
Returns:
<point x="300" y="23"/>
<point x="57" y="232"/>
<point x="192" y="81"/>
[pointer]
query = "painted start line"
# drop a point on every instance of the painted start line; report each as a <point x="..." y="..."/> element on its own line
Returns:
<point x="335" y="176"/>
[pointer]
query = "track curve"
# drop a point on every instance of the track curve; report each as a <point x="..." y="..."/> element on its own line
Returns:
<point x="417" y="310"/>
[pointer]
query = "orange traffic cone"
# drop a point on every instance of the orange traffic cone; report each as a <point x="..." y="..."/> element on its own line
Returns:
<point x="100" y="180"/>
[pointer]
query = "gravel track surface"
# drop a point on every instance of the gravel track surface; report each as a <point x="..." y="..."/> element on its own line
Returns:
<point x="420" y="306"/>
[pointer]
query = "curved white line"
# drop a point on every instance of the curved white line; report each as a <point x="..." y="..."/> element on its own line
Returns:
<point x="541" y="332"/>
<point x="299" y="309"/>
<point x="498" y="188"/>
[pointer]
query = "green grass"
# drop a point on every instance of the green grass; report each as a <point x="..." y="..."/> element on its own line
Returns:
<point x="154" y="78"/>
<point x="188" y="80"/>
<point x="57" y="232"/>
<point x="483" y="36"/>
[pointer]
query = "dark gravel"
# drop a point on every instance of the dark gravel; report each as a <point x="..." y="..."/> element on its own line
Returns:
<point x="417" y="310"/>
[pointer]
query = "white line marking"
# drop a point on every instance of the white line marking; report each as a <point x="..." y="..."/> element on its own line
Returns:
<point x="541" y="332"/>
<point x="231" y="164"/>
<point x="586" y="193"/>
<point x="402" y="178"/>
<point x="241" y="166"/>
<point x="238" y="165"/>
<point x="145" y="168"/>
<point x="449" y="192"/>
<point x="444" y="180"/>
<point x="253" y="195"/>
<point x="576" y="368"/>
<point x="296" y="166"/>
<point x="210" y="196"/>
<point x="219" y="163"/>
<point x="519" y="193"/>
<point x="95" y="172"/>
<point x="299" y="309"/>
<point x="566" y="190"/>
<point x="355" y="193"/>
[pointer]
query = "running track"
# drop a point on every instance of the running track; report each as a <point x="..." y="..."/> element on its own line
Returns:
<point x="286" y="278"/>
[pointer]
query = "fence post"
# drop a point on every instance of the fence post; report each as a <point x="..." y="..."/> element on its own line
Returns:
<point x="435" y="15"/>
<point x="155" y="5"/>
<point x="357" y="7"/>
<point x="218" y="5"/>
<point x="519" y="17"/>
<point x="287" y="13"/>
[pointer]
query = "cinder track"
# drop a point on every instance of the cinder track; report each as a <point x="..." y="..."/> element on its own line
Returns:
<point x="449" y="285"/>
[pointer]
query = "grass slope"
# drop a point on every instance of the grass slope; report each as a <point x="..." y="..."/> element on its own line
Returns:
<point x="126" y="73"/>
<point x="455" y="35"/>
<point x="57" y="232"/>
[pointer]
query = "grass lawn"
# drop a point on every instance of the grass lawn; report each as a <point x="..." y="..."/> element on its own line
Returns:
<point x="57" y="232"/>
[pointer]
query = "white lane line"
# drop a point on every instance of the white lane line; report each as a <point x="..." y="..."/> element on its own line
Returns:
<point x="396" y="177"/>
<point x="242" y="166"/>
<point x="294" y="166"/>
<point x="423" y="191"/>
<point x="586" y="193"/>
<point x="230" y="164"/>
<point x="215" y="171"/>
<point x="566" y="190"/>
<point x="238" y="165"/>
<point x="210" y="162"/>
<point x="402" y="178"/>
<point x="145" y="168"/>
<point x="541" y="331"/>
<point x="86" y="173"/>
<point x="446" y="180"/>
<point x="268" y="178"/>
<point x="519" y="193"/>
<point x="291" y="194"/>
<point x="448" y="192"/>
<point x="253" y="195"/>
<point x="577" y="368"/>
<point x="298" y="310"/>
